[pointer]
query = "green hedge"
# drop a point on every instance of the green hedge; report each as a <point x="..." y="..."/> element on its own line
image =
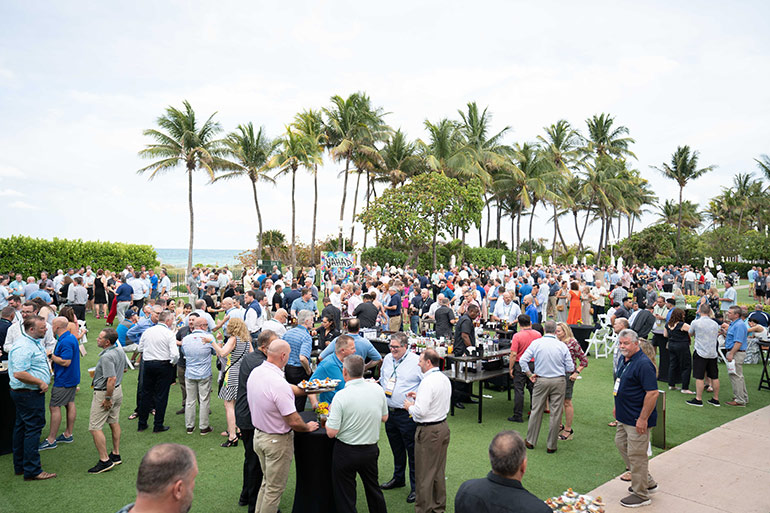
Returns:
<point x="30" y="256"/>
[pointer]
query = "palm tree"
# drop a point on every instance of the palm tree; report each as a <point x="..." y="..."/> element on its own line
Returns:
<point x="181" y="139"/>
<point x="683" y="169"/>
<point x="309" y="123"/>
<point x="560" y="150"/>
<point x="294" y="151"/>
<point x="669" y="214"/>
<point x="348" y="132"/>
<point x="763" y="162"/>
<point x="400" y="159"/>
<point x="275" y="242"/>
<point x="253" y="152"/>
<point x="603" y="139"/>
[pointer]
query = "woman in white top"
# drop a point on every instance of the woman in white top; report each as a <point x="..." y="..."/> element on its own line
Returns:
<point x="756" y="332"/>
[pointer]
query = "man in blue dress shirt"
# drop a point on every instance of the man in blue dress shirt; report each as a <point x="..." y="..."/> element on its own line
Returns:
<point x="400" y="375"/>
<point x="331" y="368"/>
<point x="29" y="376"/>
<point x="301" y="343"/>
<point x="364" y="348"/>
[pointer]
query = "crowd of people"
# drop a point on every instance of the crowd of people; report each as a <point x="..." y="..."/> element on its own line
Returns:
<point x="262" y="330"/>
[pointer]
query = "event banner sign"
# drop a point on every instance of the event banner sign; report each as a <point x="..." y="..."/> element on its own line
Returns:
<point x="340" y="263"/>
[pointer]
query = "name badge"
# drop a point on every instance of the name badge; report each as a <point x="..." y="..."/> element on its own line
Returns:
<point x="390" y="386"/>
<point x="617" y="386"/>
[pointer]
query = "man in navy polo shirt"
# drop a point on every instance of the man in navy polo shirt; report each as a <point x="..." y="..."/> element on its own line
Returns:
<point x="124" y="294"/>
<point x="636" y="392"/>
<point x="65" y="360"/>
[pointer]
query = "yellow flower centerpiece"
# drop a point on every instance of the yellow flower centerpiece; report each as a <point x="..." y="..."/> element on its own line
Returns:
<point x="322" y="411"/>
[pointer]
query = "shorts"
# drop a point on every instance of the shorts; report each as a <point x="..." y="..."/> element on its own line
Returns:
<point x="90" y="291"/>
<point x="99" y="416"/>
<point x="704" y="366"/>
<point x="759" y="292"/>
<point x="62" y="395"/>
<point x="570" y="387"/>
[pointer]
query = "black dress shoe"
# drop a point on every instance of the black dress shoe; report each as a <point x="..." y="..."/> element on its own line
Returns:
<point x="160" y="429"/>
<point x="529" y="445"/>
<point x="472" y="401"/>
<point x="411" y="497"/>
<point x="515" y="419"/>
<point x="392" y="484"/>
<point x="141" y="428"/>
<point x="459" y="406"/>
<point x="242" y="502"/>
<point x="550" y="451"/>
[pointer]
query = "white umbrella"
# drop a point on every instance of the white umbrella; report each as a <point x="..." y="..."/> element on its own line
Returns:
<point x="612" y="261"/>
<point x="452" y="261"/>
<point x="539" y="260"/>
<point x="550" y="260"/>
<point x="574" y="260"/>
<point x="711" y="262"/>
<point x="620" y="264"/>
<point x="584" y="260"/>
<point x="502" y="260"/>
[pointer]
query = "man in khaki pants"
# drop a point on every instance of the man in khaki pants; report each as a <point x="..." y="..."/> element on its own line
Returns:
<point x="552" y="363"/>
<point x="274" y="416"/>
<point x="429" y="411"/>
<point x="636" y="392"/>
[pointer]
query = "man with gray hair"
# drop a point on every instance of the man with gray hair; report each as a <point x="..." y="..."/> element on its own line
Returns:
<point x="165" y="481"/>
<point x="159" y="354"/>
<point x="552" y="362"/>
<point x="301" y="343"/>
<point x="501" y="490"/>
<point x="354" y="420"/>
<point x="636" y="393"/>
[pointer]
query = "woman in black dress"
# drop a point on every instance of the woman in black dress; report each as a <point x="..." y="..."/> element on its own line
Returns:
<point x="100" y="295"/>
<point x="680" y="358"/>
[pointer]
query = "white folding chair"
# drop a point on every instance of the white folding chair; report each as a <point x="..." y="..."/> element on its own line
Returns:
<point x="597" y="343"/>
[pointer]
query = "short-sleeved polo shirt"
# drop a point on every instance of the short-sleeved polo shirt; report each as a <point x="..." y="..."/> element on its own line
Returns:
<point x="270" y="399"/>
<point x="28" y="355"/>
<point x="637" y="377"/>
<point x="112" y="362"/>
<point x="357" y="412"/>
<point x="67" y="349"/>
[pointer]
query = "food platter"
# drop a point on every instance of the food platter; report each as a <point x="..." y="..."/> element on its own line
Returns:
<point x="573" y="502"/>
<point x="318" y="386"/>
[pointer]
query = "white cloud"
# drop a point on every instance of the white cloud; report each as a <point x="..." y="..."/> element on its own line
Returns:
<point x="22" y="205"/>
<point x="9" y="171"/>
<point x="10" y="192"/>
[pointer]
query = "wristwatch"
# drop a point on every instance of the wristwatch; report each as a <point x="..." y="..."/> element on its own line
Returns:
<point x="108" y="398"/>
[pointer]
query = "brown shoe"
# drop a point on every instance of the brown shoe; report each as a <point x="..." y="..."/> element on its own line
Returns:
<point x="41" y="477"/>
<point x="206" y="431"/>
<point x="734" y="403"/>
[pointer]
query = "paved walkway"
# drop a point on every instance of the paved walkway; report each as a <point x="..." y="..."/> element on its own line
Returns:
<point x="724" y="470"/>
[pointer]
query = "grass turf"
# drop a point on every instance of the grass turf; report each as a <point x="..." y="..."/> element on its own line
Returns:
<point x="583" y="463"/>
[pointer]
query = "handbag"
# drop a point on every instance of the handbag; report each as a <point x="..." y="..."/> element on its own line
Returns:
<point x="591" y="311"/>
<point x="560" y="308"/>
<point x="222" y="374"/>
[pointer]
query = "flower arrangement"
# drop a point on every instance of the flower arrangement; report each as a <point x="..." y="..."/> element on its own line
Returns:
<point x="322" y="408"/>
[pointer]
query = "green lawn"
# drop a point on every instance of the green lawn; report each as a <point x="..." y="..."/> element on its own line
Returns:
<point x="584" y="463"/>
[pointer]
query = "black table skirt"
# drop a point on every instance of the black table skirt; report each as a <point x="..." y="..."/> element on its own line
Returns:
<point x="582" y="332"/>
<point x="313" y="461"/>
<point x="7" y="415"/>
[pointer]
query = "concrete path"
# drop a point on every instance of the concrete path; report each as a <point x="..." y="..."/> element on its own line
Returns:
<point x="724" y="470"/>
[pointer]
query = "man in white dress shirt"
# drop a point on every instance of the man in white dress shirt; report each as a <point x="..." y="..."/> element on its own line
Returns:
<point x="506" y="310"/>
<point x="278" y="323"/>
<point x="429" y="410"/>
<point x="159" y="353"/>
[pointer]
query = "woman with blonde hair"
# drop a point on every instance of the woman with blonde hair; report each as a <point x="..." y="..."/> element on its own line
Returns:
<point x="564" y="333"/>
<point x="233" y="351"/>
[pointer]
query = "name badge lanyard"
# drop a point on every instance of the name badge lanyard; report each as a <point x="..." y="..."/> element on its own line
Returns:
<point x="47" y="361"/>
<point x="390" y="386"/>
<point x="617" y="380"/>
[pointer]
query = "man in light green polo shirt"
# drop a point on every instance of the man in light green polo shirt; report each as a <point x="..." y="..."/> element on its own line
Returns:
<point x="354" y="420"/>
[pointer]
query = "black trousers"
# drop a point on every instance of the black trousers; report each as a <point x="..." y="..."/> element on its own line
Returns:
<point x="661" y="342"/>
<point x="680" y="364"/>
<point x="461" y="392"/>
<point x="158" y="376"/>
<point x="347" y="461"/>
<point x="400" y="429"/>
<point x="252" y="471"/>
<point x="294" y="375"/>
<point x="598" y="310"/>
<point x="79" y="311"/>
<point x="521" y="382"/>
<point x="137" y="304"/>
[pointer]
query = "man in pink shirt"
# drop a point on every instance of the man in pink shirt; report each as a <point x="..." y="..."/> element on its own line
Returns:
<point x="274" y="416"/>
<point x="519" y="343"/>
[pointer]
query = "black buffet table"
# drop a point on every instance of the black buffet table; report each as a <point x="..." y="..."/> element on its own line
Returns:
<point x="313" y="461"/>
<point x="7" y="414"/>
<point x="582" y="332"/>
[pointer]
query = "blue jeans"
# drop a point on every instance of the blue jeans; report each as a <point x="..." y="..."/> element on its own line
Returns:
<point x="30" y="421"/>
<point x="414" y="322"/>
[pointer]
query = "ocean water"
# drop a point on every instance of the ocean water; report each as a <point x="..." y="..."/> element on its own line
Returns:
<point x="178" y="257"/>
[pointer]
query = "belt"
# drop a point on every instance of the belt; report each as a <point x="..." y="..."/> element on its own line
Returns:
<point x="395" y="410"/>
<point x="24" y="390"/>
<point x="104" y="389"/>
<point x="273" y="434"/>
<point x="431" y="423"/>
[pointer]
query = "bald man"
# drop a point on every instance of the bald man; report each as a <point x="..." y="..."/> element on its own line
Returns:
<point x="65" y="361"/>
<point x="165" y="481"/>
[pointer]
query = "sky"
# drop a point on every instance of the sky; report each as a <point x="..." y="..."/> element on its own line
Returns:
<point x="80" y="81"/>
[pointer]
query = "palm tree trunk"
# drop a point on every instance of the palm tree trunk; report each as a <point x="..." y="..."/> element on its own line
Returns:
<point x="293" y="219"/>
<point x="489" y="221"/>
<point x="518" y="236"/>
<point x="368" y="194"/>
<point x="601" y="241"/>
<point x="555" y="225"/>
<point x="433" y="244"/>
<point x="190" y="203"/>
<point x="577" y="231"/>
<point x="342" y="205"/>
<point x="315" y="213"/>
<point x="513" y="237"/>
<point x="259" y="220"/>
<point x="355" y="204"/>
<point x="561" y="237"/>
<point x="499" y="218"/>
<point x="679" y="225"/>
<point x="531" y="218"/>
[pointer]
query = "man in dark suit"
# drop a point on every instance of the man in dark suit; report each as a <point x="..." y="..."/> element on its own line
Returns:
<point x="501" y="491"/>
